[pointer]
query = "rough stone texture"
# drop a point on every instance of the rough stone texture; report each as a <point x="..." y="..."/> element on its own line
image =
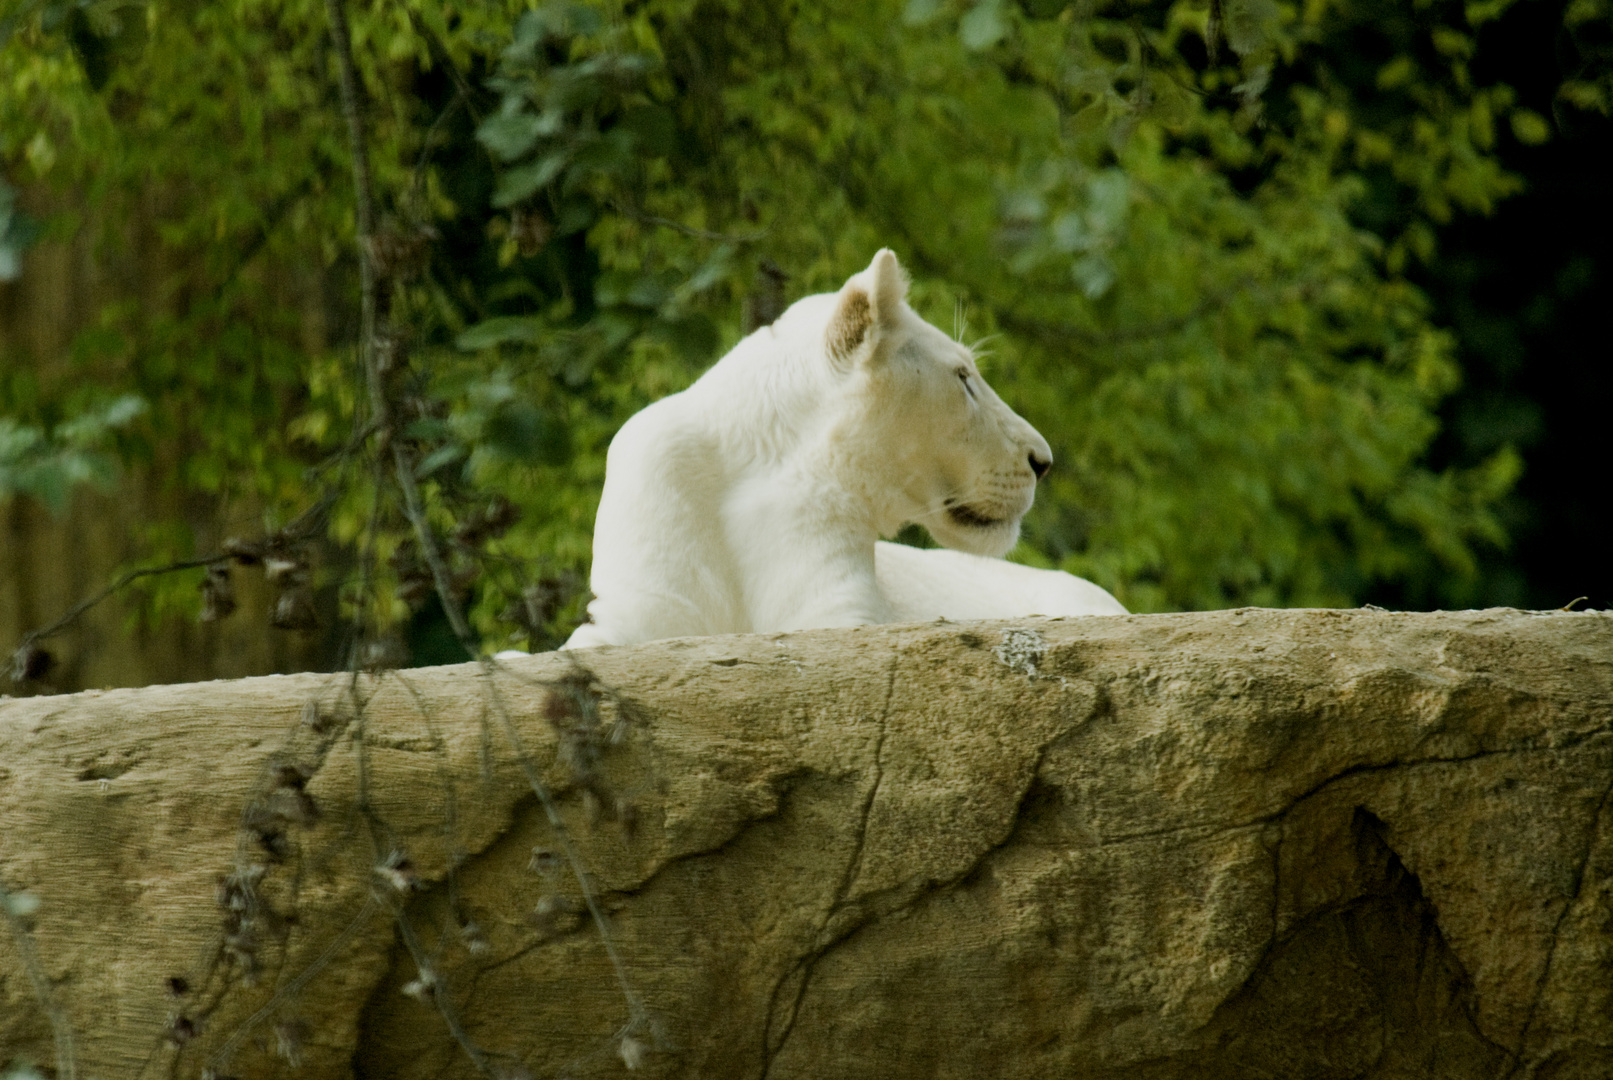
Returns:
<point x="1241" y="844"/>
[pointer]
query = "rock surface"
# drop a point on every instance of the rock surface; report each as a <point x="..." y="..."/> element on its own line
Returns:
<point x="1239" y="844"/>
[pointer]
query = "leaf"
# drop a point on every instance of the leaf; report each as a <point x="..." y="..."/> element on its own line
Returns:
<point x="983" y="26"/>
<point x="495" y="331"/>
<point x="510" y="133"/>
<point x="616" y="288"/>
<point x="1070" y="233"/>
<point x="919" y="12"/>
<point x="575" y="216"/>
<point x="521" y="432"/>
<point x="695" y="337"/>
<point x="554" y="21"/>
<point x="652" y="127"/>
<point x="609" y="155"/>
<point x="18" y="231"/>
<point x="520" y="182"/>
<point x="1249" y="24"/>
<point x="124" y="409"/>
<point x="1529" y="127"/>
<point x="439" y="458"/>
<point x="713" y="270"/>
<point x="1108" y="199"/>
<point x="1095" y="274"/>
<point x="428" y="429"/>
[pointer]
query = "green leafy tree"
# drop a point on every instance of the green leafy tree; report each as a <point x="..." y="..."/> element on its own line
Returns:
<point x="1180" y="230"/>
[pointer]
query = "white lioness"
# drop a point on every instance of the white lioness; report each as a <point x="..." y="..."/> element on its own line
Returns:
<point x="754" y="500"/>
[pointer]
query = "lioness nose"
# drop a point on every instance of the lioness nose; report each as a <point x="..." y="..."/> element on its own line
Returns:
<point x="1039" y="466"/>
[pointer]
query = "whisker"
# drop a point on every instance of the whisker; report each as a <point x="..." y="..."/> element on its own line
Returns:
<point x="935" y="513"/>
<point x="982" y="346"/>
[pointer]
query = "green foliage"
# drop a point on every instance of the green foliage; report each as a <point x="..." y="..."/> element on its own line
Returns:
<point x="49" y="465"/>
<point x="17" y="232"/>
<point x="1588" y="26"/>
<point x="1183" y="228"/>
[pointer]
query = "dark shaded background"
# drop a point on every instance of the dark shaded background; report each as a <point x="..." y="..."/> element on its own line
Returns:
<point x="1528" y="292"/>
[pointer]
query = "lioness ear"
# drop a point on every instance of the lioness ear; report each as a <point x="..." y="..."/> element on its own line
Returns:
<point x="869" y="302"/>
<point x="888" y="283"/>
<point x="851" y="324"/>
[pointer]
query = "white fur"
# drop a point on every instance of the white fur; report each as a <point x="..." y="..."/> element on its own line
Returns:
<point x="753" y="500"/>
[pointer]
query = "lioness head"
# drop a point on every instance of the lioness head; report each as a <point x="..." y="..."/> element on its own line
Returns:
<point x="925" y="435"/>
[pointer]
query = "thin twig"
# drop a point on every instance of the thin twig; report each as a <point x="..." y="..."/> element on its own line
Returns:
<point x="439" y="52"/>
<point x="364" y="214"/>
<point x="414" y="510"/>
<point x="419" y="173"/>
<point x="439" y="995"/>
<point x="61" y="1029"/>
<point x="133" y="575"/>
<point x="687" y="230"/>
<point x="304" y="977"/>
<point x="551" y="810"/>
<point x="298" y="528"/>
<point x="1038" y="328"/>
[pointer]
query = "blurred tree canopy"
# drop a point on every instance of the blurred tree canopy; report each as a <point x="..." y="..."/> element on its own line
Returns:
<point x="1183" y="232"/>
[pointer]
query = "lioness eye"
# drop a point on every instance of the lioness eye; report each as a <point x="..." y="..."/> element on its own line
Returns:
<point x="968" y="387"/>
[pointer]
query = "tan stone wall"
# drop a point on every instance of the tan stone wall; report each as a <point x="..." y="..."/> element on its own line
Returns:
<point x="1236" y="844"/>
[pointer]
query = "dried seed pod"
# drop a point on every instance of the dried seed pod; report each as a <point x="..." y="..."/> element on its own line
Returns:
<point x="500" y="515"/>
<point x="237" y="891"/>
<point x="544" y="862"/>
<point x="241" y="943"/>
<point x="627" y="815"/>
<point x="559" y="705"/>
<point x="294" y="610"/>
<point x="289" y="1037"/>
<point x="30" y="662"/>
<point x="260" y="817"/>
<point x="244" y="552"/>
<point x="632" y="1051"/>
<point x="397" y="871"/>
<point x="592" y="807"/>
<point x="274" y="844"/>
<point x="283" y="806"/>
<point x="475" y="940"/>
<point x="314" y="718"/>
<point x="178" y="985"/>
<point x="423" y="986"/>
<point x="545" y="599"/>
<point x="391" y="350"/>
<point x="765" y="302"/>
<point x="304" y="810"/>
<point x="530" y="230"/>
<point x="383" y="654"/>
<point x="464" y="577"/>
<point x="281" y="568"/>
<point x="293" y="775"/>
<point x="218" y="593"/>
<point x="397" y="254"/>
<point x="181" y="1030"/>
<point x="414" y="588"/>
<point x="555" y="916"/>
